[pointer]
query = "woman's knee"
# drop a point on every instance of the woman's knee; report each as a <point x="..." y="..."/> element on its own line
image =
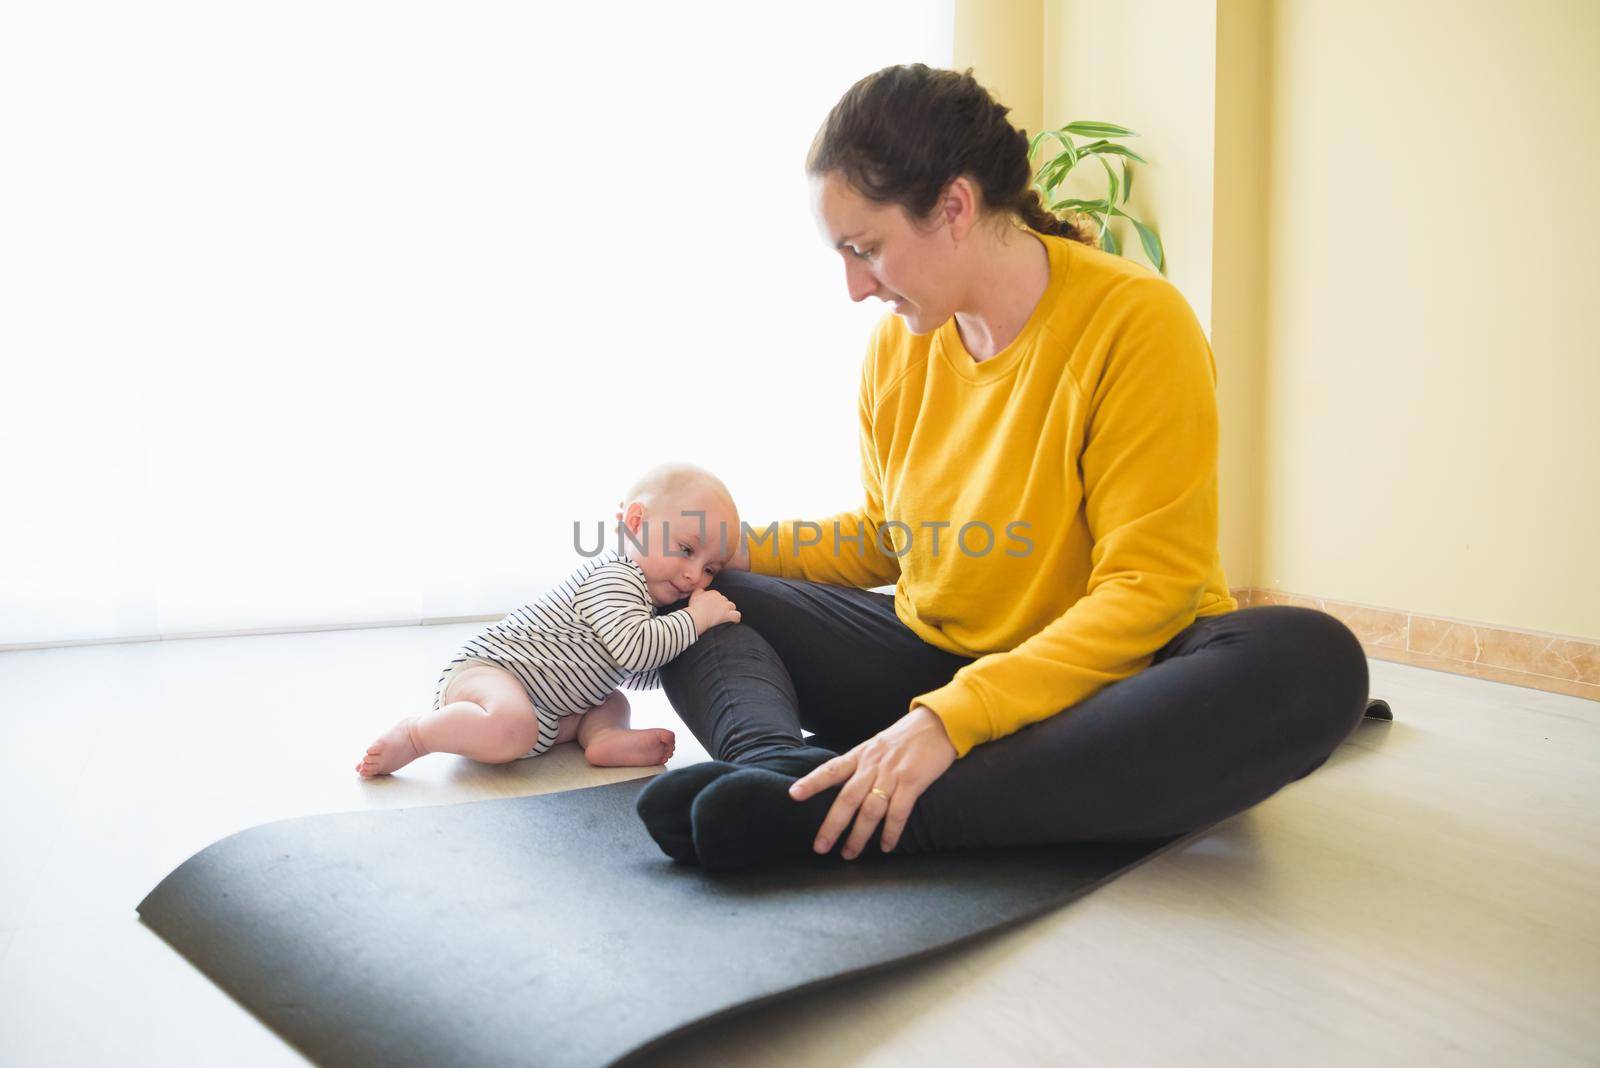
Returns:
<point x="730" y="579"/>
<point x="1322" y="664"/>
<point x="758" y="596"/>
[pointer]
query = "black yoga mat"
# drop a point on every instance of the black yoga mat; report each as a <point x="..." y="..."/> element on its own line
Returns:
<point x="550" y="930"/>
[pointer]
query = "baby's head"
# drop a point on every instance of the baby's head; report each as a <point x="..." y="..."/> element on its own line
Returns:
<point x="678" y="550"/>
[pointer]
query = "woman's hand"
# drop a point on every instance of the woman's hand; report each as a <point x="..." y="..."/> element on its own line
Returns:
<point x="883" y="778"/>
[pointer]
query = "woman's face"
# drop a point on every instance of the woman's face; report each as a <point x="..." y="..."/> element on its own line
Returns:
<point x="886" y="255"/>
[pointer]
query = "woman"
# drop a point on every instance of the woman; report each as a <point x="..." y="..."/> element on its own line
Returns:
<point x="1061" y="660"/>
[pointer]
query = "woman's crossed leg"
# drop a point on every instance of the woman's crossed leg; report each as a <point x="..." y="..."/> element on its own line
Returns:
<point x="1232" y="709"/>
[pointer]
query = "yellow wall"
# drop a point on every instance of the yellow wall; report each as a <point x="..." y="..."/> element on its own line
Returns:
<point x="1239" y="272"/>
<point x="1001" y="40"/>
<point x="1135" y="63"/>
<point x="1384" y="216"/>
<point x="1433" y="336"/>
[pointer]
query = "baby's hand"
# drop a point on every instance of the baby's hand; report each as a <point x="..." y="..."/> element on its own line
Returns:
<point x="709" y="608"/>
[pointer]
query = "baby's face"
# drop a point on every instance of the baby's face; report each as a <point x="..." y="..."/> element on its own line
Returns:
<point x="678" y="551"/>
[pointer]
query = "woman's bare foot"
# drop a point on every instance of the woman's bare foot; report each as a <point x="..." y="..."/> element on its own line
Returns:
<point x="619" y="747"/>
<point x="396" y="748"/>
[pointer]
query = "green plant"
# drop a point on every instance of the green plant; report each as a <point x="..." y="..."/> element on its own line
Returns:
<point x="1053" y="172"/>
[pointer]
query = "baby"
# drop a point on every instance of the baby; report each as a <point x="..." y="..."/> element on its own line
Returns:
<point x="548" y="673"/>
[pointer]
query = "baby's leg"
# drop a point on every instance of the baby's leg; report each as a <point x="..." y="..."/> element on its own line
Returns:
<point x="486" y="715"/>
<point x="607" y="742"/>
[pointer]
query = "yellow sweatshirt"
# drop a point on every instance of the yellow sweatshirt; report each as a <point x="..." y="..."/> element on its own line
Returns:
<point x="1083" y="457"/>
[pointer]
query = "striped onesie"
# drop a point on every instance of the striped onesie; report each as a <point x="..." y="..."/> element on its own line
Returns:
<point x="598" y="630"/>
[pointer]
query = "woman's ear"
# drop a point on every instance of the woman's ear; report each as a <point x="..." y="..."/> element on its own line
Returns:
<point x="958" y="207"/>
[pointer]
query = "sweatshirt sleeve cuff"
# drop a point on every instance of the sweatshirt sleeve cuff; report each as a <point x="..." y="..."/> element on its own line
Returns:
<point x="962" y="710"/>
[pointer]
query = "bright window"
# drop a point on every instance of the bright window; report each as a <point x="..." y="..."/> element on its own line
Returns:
<point x="324" y="313"/>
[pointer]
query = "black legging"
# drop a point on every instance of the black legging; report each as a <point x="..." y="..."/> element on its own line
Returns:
<point x="1232" y="709"/>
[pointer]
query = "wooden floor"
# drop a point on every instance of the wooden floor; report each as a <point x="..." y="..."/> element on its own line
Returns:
<point x="1427" y="897"/>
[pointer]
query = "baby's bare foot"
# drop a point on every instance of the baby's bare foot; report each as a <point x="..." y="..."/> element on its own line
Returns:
<point x="391" y="752"/>
<point x="622" y="748"/>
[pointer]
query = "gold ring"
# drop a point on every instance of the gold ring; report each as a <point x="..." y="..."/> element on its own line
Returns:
<point x="879" y="792"/>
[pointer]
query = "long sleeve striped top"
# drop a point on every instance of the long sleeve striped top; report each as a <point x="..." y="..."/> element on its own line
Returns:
<point x="571" y="647"/>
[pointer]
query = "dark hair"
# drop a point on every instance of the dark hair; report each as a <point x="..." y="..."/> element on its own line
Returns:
<point x="901" y="135"/>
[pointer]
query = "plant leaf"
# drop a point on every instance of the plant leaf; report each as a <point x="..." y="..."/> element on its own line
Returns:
<point x="1098" y="129"/>
<point x="1053" y="174"/>
<point x="1149" y="239"/>
<point x="1068" y="146"/>
<point x="1152" y="245"/>
<point x="1111" y="176"/>
<point x="1108" y="240"/>
<point x="1065" y="160"/>
<point x="1048" y="169"/>
<point x="1077" y="204"/>
<point x="1055" y="170"/>
<point x="1109" y="149"/>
